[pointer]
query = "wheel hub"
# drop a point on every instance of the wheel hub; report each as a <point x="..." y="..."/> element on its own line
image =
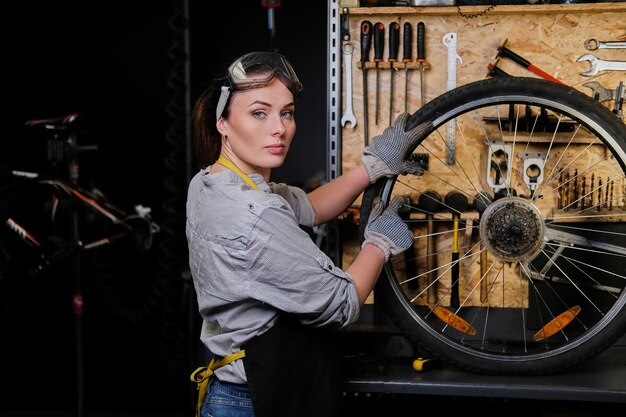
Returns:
<point x="512" y="229"/>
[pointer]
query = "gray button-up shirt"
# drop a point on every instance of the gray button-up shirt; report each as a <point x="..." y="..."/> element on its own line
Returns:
<point x="250" y="259"/>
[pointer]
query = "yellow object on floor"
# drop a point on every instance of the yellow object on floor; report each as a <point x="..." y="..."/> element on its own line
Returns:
<point x="421" y="364"/>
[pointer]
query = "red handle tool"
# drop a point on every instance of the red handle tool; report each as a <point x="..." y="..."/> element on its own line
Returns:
<point x="506" y="52"/>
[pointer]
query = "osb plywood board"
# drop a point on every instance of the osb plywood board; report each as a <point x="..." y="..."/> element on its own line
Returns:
<point x="549" y="37"/>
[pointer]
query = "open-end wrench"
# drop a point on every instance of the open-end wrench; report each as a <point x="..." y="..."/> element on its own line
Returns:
<point x="600" y="93"/>
<point x="598" y="65"/>
<point x="348" y="115"/>
<point x="593" y="44"/>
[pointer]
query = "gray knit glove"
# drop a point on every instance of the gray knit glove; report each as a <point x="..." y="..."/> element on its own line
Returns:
<point x="386" y="230"/>
<point x="387" y="154"/>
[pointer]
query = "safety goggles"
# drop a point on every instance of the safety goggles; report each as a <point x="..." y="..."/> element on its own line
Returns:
<point x="245" y="73"/>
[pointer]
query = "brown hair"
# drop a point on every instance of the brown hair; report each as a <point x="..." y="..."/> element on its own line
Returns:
<point x="207" y="140"/>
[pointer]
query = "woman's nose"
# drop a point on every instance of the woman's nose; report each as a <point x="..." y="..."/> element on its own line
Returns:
<point x="278" y="125"/>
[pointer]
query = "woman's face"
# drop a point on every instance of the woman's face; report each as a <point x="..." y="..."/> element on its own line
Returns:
<point x="259" y="129"/>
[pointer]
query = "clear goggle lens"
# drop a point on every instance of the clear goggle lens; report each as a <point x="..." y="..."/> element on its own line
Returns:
<point x="244" y="73"/>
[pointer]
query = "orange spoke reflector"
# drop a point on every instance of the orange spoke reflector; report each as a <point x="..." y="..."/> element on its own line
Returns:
<point x="557" y="323"/>
<point x="453" y="320"/>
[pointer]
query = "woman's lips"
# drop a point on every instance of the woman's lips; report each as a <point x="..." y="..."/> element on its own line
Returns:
<point x="275" y="149"/>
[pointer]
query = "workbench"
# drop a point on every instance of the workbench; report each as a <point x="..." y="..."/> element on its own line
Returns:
<point x="379" y="363"/>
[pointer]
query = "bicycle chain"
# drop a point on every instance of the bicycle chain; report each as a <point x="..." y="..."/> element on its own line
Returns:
<point x="471" y="16"/>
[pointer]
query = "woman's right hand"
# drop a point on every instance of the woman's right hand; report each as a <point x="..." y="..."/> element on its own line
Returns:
<point x="387" y="230"/>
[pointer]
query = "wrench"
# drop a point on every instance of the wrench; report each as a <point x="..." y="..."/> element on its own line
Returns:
<point x="598" y="65"/>
<point x="600" y="93"/>
<point x="593" y="44"/>
<point x="348" y="115"/>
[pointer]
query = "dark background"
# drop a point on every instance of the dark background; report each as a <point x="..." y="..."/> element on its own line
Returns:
<point x="121" y="66"/>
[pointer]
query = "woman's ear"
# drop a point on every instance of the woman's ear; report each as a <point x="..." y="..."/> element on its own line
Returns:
<point x="221" y="126"/>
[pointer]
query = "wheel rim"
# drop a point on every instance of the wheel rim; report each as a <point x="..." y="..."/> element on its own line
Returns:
<point x="555" y="267"/>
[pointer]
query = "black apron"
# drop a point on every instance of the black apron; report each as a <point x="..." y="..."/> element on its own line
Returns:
<point x="295" y="370"/>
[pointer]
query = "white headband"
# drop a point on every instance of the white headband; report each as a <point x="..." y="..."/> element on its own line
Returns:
<point x="221" y="104"/>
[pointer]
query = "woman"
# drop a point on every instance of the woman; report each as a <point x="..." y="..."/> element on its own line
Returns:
<point x="269" y="298"/>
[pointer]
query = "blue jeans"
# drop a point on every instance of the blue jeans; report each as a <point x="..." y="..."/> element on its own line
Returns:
<point x="224" y="399"/>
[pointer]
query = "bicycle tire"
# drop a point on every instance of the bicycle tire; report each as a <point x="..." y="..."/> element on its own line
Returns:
<point x="558" y="296"/>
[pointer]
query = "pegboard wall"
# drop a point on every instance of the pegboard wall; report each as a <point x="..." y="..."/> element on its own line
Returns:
<point x="551" y="38"/>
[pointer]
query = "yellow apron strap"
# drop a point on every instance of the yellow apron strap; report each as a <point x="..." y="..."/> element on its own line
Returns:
<point x="222" y="160"/>
<point x="202" y="375"/>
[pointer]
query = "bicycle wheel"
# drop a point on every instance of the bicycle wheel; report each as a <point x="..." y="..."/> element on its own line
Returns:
<point x="526" y="267"/>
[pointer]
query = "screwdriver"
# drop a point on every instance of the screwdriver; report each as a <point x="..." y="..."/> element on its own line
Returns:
<point x="394" y="44"/>
<point x="421" y="56"/>
<point x="366" y="43"/>
<point x="407" y="46"/>
<point x="379" y="46"/>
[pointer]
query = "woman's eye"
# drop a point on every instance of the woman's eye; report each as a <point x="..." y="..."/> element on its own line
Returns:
<point x="288" y="114"/>
<point x="258" y="114"/>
